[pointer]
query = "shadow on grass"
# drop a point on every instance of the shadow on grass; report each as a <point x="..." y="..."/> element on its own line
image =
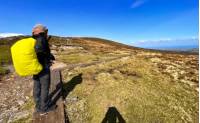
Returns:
<point x="63" y="89"/>
<point x="69" y="86"/>
<point x="113" y="116"/>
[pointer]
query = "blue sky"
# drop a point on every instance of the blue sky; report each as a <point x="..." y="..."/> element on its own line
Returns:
<point x="126" y="21"/>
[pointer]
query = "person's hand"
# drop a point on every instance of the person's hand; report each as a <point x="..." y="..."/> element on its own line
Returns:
<point x="52" y="62"/>
<point x="51" y="56"/>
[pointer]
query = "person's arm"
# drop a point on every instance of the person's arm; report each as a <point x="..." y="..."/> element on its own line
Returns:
<point x="42" y="49"/>
<point x="50" y="55"/>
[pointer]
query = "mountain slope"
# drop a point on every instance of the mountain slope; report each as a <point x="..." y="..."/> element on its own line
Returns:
<point x="105" y="80"/>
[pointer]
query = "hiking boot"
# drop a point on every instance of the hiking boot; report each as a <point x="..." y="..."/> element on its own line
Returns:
<point x="52" y="108"/>
<point x="43" y="113"/>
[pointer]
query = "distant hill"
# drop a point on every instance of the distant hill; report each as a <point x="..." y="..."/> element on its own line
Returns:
<point x="169" y="44"/>
<point x="195" y="50"/>
<point x="185" y="49"/>
<point x="92" y="40"/>
<point x="6" y="35"/>
<point x="10" y="40"/>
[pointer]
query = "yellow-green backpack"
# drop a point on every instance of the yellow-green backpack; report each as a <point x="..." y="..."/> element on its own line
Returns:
<point x="24" y="57"/>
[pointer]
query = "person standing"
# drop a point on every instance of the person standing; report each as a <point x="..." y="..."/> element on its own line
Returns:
<point x="42" y="79"/>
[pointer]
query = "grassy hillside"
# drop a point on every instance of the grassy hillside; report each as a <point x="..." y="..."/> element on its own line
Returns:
<point x="107" y="81"/>
<point x="141" y="85"/>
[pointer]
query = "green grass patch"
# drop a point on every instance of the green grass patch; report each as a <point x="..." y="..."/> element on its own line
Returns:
<point x="28" y="105"/>
<point x="5" y="55"/>
<point x="77" y="58"/>
<point x="23" y="120"/>
<point x="3" y="70"/>
<point x="5" y="58"/>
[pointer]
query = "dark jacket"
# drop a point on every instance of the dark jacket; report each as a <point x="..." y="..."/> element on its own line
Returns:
<point x="43" y="51"/>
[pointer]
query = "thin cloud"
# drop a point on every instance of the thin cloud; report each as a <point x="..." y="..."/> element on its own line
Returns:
<point x="138" y="3"/>
<point x="152" y="41"/>
<point x="4" y="35"/>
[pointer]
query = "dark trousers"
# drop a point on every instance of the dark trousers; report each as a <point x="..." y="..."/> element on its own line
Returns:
<point x="41" y="89"/>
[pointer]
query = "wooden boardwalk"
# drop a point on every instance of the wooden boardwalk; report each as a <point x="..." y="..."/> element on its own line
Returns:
<point x="58" y="115"/>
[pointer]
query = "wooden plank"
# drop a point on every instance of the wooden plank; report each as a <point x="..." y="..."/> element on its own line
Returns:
<point x="58" y="115"/>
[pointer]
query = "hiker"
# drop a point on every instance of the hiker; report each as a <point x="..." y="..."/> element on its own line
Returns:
<point x="42" y="79"/>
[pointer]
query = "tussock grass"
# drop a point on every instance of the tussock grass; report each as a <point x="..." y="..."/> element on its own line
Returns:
<point x="23" y="120"/>
<point x="140" y="93"/>
<point x="28" y="105"/>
